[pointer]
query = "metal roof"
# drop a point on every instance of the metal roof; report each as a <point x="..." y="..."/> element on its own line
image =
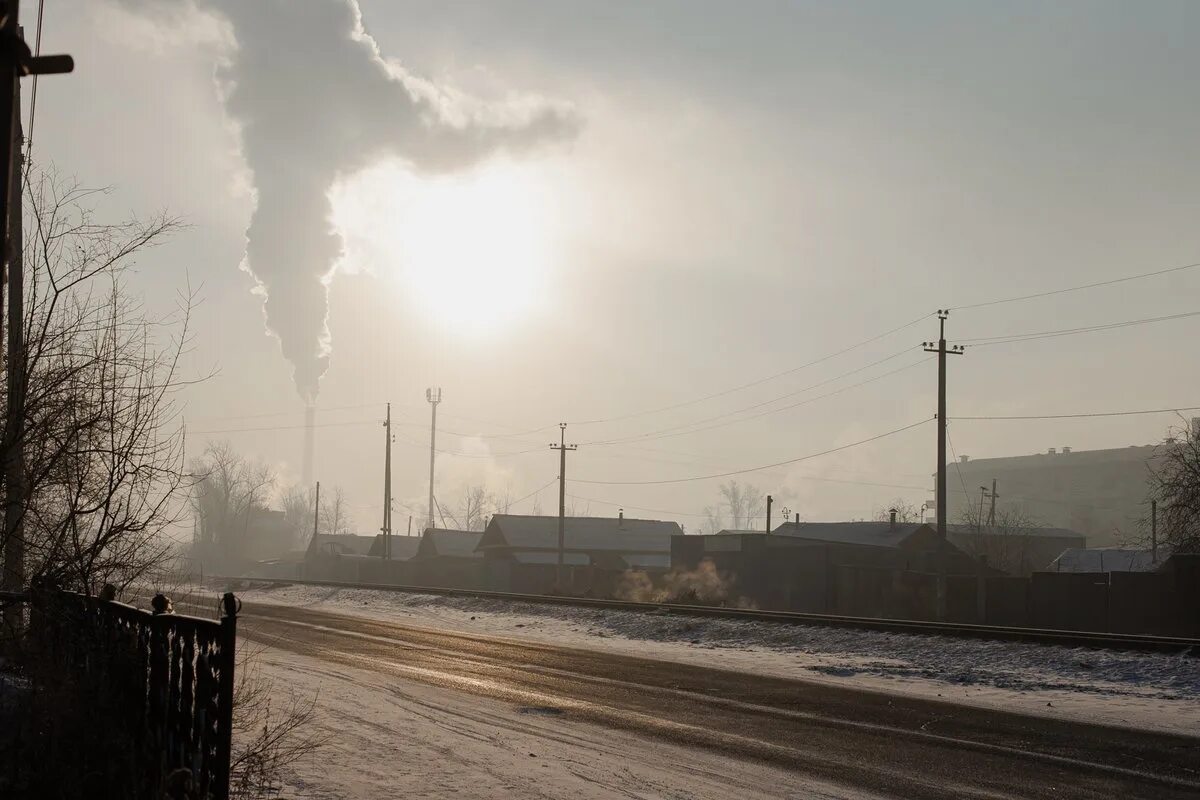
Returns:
<point x="444" y="542"/>
<point x="403" y="547"/>
<point x="1046" y="533"/>
<point x="341" y="543"/>
<point x="873" y="534"/>
<point x="1104" y="559"/>
<point x="586" y="534"/>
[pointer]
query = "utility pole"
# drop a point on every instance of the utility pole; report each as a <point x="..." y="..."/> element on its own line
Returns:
<point x="942" y="352"/>
<point x="16" y="62"/>
<point x="992" y="512"/>
<point x="770" y="500"/>
<point x="562" y="447"/>
<point x="433" y="396"/>
<point x="387" y="486"/>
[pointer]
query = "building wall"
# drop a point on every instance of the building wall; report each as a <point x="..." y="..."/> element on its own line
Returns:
<point x="1100" y="494"/>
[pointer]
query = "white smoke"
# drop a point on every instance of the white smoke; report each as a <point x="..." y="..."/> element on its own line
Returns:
<point x="314" y="102"/>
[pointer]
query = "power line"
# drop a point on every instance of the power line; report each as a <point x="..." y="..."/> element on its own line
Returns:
<point x="758" y="468"/>
<point x="1086" y="415"/>
<point x="1078" y="288"/>
<point x="667" y="434"/>
<point x="37" y="51"/>
<point x="534" y="492"/>
<point x="286" y="427"/>
<point x="985" y="341"/>
<point x="755" y="382"/>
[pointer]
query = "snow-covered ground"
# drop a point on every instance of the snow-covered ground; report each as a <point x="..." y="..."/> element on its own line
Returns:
<point x="388" y="737"/>
<point x="1149" y="691"/>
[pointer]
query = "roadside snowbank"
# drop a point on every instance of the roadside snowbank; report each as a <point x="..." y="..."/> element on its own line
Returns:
<point x="1142" y="690"/>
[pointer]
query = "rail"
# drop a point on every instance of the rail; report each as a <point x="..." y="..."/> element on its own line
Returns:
<point x="1043" y="636"/>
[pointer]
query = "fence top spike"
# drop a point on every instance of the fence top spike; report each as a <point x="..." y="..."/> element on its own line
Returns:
<point x="162" y="604"/>
<point x="231" y="604"/>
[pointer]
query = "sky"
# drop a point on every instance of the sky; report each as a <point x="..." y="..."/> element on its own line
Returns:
<point x="583" y="212"/>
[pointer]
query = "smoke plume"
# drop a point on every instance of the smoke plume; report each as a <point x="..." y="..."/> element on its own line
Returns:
<point x="314" y="101"/>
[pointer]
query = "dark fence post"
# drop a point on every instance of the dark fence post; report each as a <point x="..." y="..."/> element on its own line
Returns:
<point x="228" y="645"/>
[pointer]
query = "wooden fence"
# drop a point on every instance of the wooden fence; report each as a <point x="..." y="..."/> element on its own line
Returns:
<point x="159" y="683"/>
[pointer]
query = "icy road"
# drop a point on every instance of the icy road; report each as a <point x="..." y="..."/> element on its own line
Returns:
<point x="418" y="711"/>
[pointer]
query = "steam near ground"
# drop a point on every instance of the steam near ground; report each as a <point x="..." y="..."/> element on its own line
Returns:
<point x="1143" y="690"/>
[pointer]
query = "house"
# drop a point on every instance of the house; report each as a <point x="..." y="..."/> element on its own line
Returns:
<point x="448" y="559"/>
<point x="336" y="557"/>
<point x="1017" y="550"/>
<point x="862" y="568"/>
<point x="520" y="553"/>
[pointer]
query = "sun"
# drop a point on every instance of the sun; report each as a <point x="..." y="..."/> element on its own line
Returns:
<point x="473" y="248"/>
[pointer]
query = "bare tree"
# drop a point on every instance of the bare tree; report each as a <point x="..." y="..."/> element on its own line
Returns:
<point x="714" y="520"/>
<point x="100" y="444"/>
<point x="1175" y="486"/>
<point x="474" y="508"/>
<point x="1007" y="543"/>
<point x="298" y="504"/>
<point x="745" y="504"/>
<point x="228" y="489"/>
<point x="335" y="513"/>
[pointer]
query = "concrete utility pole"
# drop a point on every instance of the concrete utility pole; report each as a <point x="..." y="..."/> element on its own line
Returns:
<point x="433" y="396"/>
<point x="942" y="352"/>
<point x="387" y="486"/>
<point x="770" y="500"/>
<point x="562" y="447"/>
<point x="16" y="62"/>
<point x="992" y="512"/>
<point x="316" y="513"/>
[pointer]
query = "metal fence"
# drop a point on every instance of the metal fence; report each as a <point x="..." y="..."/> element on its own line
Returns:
<point x="160" y="683"/>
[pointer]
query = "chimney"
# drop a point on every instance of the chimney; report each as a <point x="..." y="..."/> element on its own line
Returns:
<point x="310" y="423"/>
<point x="1051" y="451"/>
<point x="963" y="459"/>
<point x="1066" y="451"/>
<point x="892" y="518"/>
<point x="620" y="517"/>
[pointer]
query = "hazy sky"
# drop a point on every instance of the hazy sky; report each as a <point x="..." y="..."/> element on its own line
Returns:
<point x="744" y="188"/>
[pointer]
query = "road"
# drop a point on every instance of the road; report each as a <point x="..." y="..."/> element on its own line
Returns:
<point x="886" y="745"/>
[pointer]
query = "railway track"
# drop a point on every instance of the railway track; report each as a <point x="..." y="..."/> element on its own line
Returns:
<point x="1094" y="640"/>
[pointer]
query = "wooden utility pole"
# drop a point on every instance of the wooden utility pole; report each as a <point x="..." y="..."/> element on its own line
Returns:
<point x="992" y="512"/>
<point x="433" y="397"/>
<point x="316" y="514"/>
<point x="16" y="62"/>
<point x="770" y="500"/>
<point x="942" y="352"/>
<point x="387" y="485"/>
<point x="562" y="447"/>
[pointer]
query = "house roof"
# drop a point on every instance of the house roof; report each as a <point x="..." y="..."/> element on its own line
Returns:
<point x="586" y="534"/>
<point x="1104" y="559"/>
<point x="458" y="544"/>
<point x="1046" y="533"/>
<point x="341" y="543"/>
<point x="873" y="534"/>
<point x="403" y="547"/>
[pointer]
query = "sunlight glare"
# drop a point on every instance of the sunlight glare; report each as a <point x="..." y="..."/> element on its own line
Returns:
<point x="473" y="248"/>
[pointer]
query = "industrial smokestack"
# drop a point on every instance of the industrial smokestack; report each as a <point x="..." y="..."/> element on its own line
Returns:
<point x="310" y="424"/>
<point x="314" y="101"/>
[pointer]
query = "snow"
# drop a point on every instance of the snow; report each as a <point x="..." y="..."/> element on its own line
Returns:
<point x="1140" y="690"/>
<point x="396" y="738"/>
